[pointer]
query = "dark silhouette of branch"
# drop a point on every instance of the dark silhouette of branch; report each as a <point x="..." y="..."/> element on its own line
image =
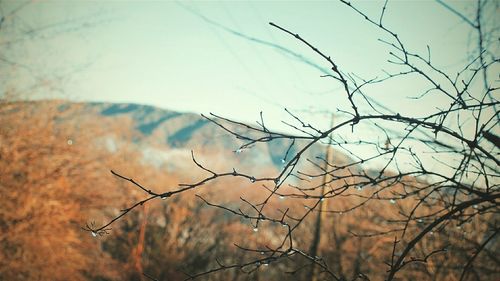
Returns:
<point x="427" y="182"/>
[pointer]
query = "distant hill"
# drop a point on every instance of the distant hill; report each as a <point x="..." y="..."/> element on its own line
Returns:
<point x="166" y="137"/>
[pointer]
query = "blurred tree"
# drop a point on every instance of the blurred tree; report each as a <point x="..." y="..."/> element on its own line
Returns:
<point x="45" y="172"/>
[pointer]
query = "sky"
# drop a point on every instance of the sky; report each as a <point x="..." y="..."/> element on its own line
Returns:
<point x="196" y="56"/>
<point x="224" y="57"/>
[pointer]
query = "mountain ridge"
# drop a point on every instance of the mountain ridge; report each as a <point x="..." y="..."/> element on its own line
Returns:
<point x="166" y="137"/>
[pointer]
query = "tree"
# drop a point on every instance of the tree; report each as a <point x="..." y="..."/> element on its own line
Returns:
<point x="422" y="204"/>
<point x="44" y="166"/>
<point x="46" y="163"/>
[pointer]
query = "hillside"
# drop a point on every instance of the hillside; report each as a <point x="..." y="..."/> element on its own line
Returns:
<point x="167" y="137"/>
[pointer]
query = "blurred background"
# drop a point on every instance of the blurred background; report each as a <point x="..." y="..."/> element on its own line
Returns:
<point x="92" y="86"/>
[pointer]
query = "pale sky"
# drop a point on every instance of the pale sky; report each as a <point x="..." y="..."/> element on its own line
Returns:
<point x="161" y="53"/>
<point x="206" y="57"/>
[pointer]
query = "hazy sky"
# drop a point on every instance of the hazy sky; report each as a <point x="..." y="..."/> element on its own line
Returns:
<point x="224" y="57"/>
<point x="189" y="57"/>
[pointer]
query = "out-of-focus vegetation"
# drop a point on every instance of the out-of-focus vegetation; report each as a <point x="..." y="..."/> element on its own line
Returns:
<point x="55" y="176"/>
<point x="55" y="183"/>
